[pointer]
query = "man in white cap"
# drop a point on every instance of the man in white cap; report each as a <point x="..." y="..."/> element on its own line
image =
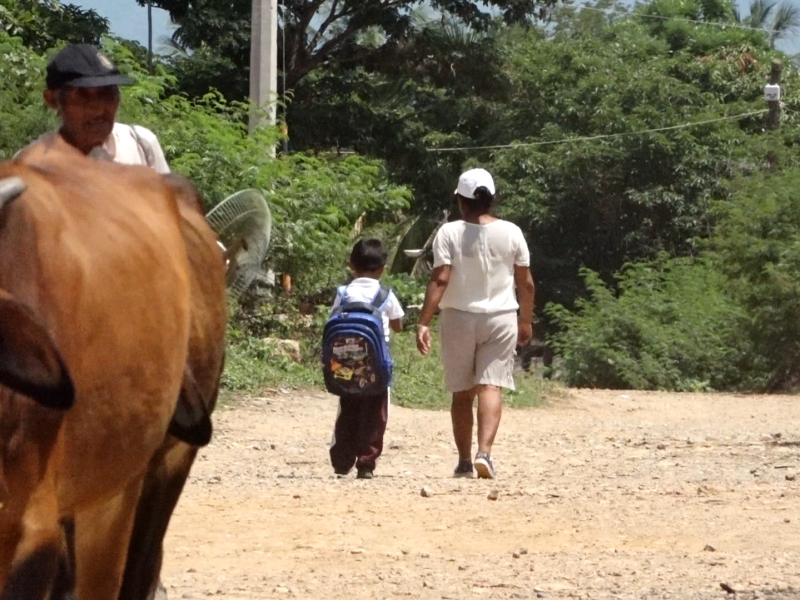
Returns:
<point x="477" y="263"/>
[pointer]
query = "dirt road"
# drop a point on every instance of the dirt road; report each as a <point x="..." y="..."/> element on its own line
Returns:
<point x="602" y="494"/>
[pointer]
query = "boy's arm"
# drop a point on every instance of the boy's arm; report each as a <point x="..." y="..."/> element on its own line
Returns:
<point x="394" y="312"/>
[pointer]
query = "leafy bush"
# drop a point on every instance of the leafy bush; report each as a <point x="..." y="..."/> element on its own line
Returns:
<point x="671" y="326"/>
<point x="757" y="245"/>
<point x="22" y="110"/>
<point x="251" y="364"/>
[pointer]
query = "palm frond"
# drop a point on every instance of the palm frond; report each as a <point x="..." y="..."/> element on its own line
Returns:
<point x="760" y="11"/>
<point x="786" y="21"/>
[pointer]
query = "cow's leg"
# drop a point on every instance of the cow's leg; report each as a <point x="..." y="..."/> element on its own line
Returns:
<point x="162" y="489"/>
<point x="64" y="583"/>
<point x="37" y="546"/>
<point x="102" y="534"/>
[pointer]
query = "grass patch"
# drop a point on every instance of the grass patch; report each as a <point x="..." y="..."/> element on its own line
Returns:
<point x="252" y="365"/>
<point x="419" y="380"/>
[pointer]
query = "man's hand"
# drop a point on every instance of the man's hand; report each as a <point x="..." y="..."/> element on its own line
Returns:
<point x="524" y="332"/>
<point x="423" y="339"/>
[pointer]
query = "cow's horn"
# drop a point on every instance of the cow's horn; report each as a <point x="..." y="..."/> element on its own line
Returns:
<point x="10" y="189"/>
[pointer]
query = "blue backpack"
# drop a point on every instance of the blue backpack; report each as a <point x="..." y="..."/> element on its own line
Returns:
<point x="355" y="356"/>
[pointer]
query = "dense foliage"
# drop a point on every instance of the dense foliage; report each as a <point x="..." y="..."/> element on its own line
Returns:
<point x="669" y="324"/>
<point x="628" y="143"/>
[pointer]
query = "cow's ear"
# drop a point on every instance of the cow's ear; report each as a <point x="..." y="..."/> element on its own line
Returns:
<point x="191" y="422"/>
<point x="30" y="363"/>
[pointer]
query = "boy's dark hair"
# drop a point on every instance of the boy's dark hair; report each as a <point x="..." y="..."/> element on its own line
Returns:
<point x="368" y="255"/>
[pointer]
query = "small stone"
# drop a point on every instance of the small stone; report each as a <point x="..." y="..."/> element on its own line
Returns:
<point x="791" y="476"/>
<point x="426" y="492"/>
<point x="516" y="554"/>
<point x="281" y="590"/>
<point x="493" y="495"/>
<point x="709" y="548"/>
<point x="424" y="555"/>
<point x="523" y="551"/>
<point x="405" y="550"/>
<point x="296" y="496"/>
<point x="462" y="567"/>
<point x="357" y="551"/>
<point x="661" y="447"/>
<point x="787" y="520"/>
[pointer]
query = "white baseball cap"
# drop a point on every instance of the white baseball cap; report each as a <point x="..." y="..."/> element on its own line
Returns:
<point x="472" y="180"/>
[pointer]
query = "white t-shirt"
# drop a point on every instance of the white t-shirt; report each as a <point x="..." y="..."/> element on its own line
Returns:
<point x="127" y="145"/>
<point x="363" y="289"/>
<point x="132" y="145"/>
<point x="482" y="259"/>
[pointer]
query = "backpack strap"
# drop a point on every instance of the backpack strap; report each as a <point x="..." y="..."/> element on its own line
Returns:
<point x="381" y="297"/>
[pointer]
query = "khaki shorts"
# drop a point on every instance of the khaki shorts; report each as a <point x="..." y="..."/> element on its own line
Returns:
<point x="477" y="348"/>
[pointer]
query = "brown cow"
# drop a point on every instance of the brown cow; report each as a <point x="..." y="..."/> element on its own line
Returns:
<point x="93" y="254"/>
<point x="170" y="467"/>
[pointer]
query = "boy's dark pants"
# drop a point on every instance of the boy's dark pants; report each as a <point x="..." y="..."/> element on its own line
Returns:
<point x="358" y="433"/>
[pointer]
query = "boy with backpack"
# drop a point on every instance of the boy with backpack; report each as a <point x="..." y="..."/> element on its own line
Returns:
<point x="356" y="361"/>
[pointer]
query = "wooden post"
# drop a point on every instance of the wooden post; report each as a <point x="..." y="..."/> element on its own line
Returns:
<point x="774" y="114"/>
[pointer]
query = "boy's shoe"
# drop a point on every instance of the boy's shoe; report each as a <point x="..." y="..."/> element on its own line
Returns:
<point x="463" y="469"/>
<point x="341" y="473"/>
<point x="484" y="466"/>
<point x="365" y="473"/>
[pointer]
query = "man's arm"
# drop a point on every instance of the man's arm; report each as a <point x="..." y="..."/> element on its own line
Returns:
<point x="440" y="277"/>
<point x="525" y="293"/>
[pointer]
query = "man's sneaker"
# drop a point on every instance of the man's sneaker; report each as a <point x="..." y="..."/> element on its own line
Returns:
<point x="463" y="469"/>
<point x="341" y="473"/>
<point x="484" y="466"/>
<point x="365" y="474"/>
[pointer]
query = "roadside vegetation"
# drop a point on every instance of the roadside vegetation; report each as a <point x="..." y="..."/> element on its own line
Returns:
<point x="629" y="144"/>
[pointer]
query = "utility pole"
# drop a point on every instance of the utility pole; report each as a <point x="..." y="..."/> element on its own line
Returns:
<point x="264" y="62"/>
<point x="774" y="114"/>
<point x="149" y="37"/>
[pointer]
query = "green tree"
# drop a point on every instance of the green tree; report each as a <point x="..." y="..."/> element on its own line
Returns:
<point x="317" y="33"/>
<point x="626" y="196"/>
<point x="757" y="246"/>
<point x="43" y="23"/>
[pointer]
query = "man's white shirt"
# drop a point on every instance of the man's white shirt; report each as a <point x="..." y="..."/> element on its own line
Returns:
<point x="132" y="145"/>
<point x="127" y="145"/>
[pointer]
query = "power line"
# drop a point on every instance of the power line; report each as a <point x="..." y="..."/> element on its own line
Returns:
<point x="601" y="136"/>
